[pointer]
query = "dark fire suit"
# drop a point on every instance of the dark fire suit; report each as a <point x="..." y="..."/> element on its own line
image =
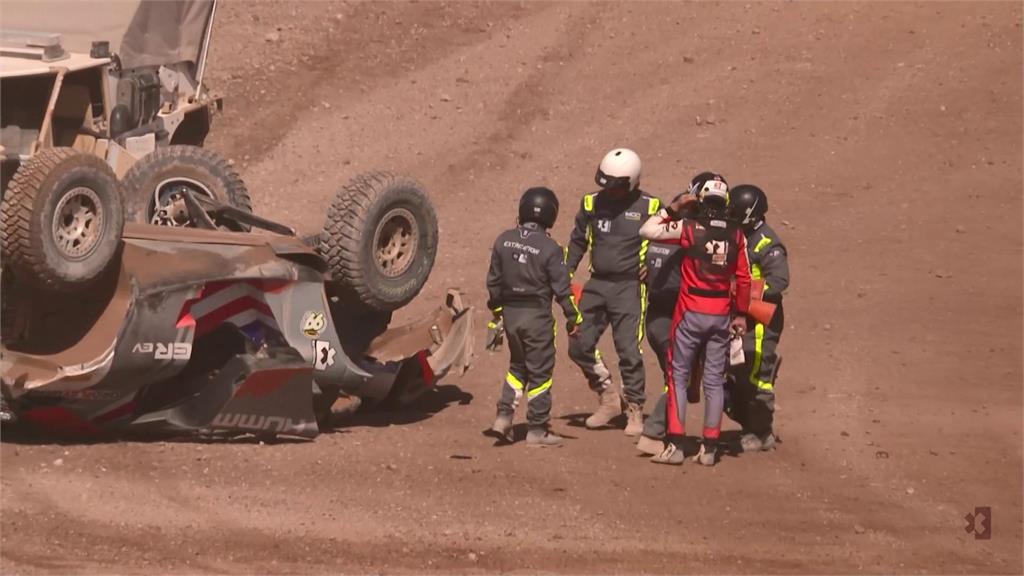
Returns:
<point x="609" y="228"/>
<point x="663" y="279"/>
<point x="753" y="387"/>
<point x="528" y="270"/>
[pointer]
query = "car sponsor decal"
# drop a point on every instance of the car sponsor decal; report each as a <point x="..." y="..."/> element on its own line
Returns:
<point x="241" y="303"/>
<point x="313" y="323"/>
<point x="162" y="351"/>
<point x="263" y="423"/>
<point x="323" y="354"/>
<point x="718" y="250"/>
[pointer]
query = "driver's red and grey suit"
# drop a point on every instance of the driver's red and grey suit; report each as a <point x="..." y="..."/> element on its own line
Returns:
<point x="715" y="256"/>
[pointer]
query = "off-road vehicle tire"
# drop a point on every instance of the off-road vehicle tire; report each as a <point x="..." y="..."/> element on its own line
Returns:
<point x="201" y="170"/>
<point x="62" y="219"/>
<point x="380" y="240"/>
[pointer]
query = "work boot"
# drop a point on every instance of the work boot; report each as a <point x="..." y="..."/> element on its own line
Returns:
<point x="650" y="446"/>
<point x="610" y="407"/>
<point x="671" y="454"/>
<point x="503" y="426"/>
<point x="635" y="419"/>
<point x="751" y="442"/>
<point x="707" y="454"/>
<point x="542" y="437"/>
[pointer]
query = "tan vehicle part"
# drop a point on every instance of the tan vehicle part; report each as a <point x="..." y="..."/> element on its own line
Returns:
<point x="446" y="332"/>
<point x="82" y="364"/>
<point x="142" y="33"/>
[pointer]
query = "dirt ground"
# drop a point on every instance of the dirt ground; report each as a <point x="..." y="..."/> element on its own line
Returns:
<point x="889" y="138"/>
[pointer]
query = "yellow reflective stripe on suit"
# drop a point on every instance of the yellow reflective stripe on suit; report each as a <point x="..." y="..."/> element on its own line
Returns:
<point x="652" y="208"/>
<point x="588" y="207"/>
<point x="757" y="274"/>
<point x="538" y="390"/>
<point x="514" y="382"/>
<point x="756" y="368"/>
<point x="643" y="316"/>
<point x="579" y="315"/>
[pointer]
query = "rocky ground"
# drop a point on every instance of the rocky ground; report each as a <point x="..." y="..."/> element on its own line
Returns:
<point x="888" y="136"/>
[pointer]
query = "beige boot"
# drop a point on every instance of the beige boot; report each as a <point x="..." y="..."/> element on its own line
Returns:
<point x="650" y="446"/>
<point x="635" y="419"/>
<point x="542" y="437"/>
<point x="610" y="407"/>
<point x="502" y="427"/>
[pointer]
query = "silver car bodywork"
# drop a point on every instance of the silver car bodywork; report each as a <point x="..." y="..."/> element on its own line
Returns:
<point x="203" y="330"/>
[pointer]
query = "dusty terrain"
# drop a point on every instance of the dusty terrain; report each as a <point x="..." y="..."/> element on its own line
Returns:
<point x="889" y="138"/>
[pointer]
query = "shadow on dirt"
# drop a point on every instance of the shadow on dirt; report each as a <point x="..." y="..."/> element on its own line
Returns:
<point x="518" y="435"/>
<point x="728" y="445"/>
<point x="27" y="436"/>
<point x="430" y="403"/>
<point x="578" y="420"/>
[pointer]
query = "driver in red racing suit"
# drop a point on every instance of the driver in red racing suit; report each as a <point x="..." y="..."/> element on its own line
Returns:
<point x="715" y="254"/>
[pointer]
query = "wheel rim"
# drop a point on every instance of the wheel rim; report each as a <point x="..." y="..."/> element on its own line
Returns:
<point x="395" y="242"/>
<point x="168" y="207"/>
<point x="78" y="223"/>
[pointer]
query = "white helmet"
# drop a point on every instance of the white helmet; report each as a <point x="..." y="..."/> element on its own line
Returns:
<point x="710" y="187"/>
<point x="620" y="167"/>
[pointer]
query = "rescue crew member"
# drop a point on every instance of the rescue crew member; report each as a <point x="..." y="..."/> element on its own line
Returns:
<point x="663" y="280"/>
<point x="664" y="277"/>
<point x="714" y="255"/>
<point x="608" y="226"/>
<point x="753" y="388"/>
<point x="528" y="270"/>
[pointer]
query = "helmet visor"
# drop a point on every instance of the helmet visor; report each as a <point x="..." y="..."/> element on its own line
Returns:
<point x="606" y="181"/>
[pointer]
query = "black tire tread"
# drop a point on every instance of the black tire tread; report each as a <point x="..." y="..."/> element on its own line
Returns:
<point x="135" y="179"/>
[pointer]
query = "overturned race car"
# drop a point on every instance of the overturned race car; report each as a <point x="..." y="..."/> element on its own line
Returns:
<point x="225" y="323"/>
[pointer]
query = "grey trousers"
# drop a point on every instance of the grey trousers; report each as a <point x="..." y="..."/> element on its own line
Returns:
<point x="530" y="333"/>
<point x="659" y="328"/>
<point x="623" y="305"/>
<point x="711" y="332"/>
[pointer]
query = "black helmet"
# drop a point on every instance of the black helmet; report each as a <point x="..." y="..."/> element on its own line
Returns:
<point x="538" y="205"/>
<point x="748" y="204"/>
<point x="710" y="188"/>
